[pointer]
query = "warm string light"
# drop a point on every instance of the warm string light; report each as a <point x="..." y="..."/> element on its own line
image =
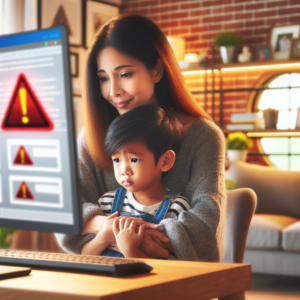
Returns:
<point x="254" y="134"/>
<point x="261" y="67"/>
<point x="273" y="134"/>
<point x="242" y="68"/>
<point x="198" y="72"/>
<point x="193" y="72"/>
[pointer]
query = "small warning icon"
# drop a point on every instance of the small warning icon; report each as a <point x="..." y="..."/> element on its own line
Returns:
<point x="24" y="192"/>
<point x="24" y="111"/>
<point x="22" y="157"/>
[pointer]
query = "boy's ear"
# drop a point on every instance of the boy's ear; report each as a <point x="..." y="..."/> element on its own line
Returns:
<point x="168" y="160"/>
<point x="158" y="70"/>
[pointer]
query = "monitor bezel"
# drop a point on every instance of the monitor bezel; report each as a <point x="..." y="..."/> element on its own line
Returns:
<point x="76" y="227"/>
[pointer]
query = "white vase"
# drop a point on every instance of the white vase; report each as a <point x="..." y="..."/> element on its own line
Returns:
<point x="237" y="155"/>
<point x="245" y="56"/>
<point x="227" y="54"/>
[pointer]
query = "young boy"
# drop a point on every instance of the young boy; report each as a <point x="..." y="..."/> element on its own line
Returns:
<point x="142" y="144"/>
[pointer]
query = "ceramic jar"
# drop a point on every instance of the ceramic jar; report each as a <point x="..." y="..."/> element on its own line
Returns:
<point x="237" y="155"/>
<point x="245" y="56"/>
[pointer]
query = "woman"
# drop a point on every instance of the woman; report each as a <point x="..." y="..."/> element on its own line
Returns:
<point x="136" y="65"/>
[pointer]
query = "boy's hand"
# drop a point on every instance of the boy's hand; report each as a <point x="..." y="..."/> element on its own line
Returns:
<point x="107" y="233"/>
<point x="128" y="236"/>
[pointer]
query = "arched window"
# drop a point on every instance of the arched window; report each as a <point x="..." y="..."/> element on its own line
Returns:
<point x="284" y="151"/>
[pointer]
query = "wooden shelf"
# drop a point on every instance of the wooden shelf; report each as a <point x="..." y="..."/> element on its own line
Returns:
<point x="263" y="130"/>
<point x="258" y="64"/>
<point x="258" y="133"/>
<point x="244" y="65"/>
<point x="217" y="71"/>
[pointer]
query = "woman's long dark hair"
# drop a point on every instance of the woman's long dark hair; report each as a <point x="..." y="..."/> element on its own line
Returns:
<point x="138" y="37"/>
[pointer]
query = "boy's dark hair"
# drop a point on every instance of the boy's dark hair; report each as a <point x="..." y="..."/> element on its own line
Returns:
<point x="158" y="129"/>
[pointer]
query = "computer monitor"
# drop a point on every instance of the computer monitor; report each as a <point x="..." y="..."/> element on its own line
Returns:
<point x="38" y="157"/>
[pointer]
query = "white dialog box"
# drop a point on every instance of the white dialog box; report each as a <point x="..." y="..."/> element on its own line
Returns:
<point x="36" y="191"/>
<point x="34" y="155"/>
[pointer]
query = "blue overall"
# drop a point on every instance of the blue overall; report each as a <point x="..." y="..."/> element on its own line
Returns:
<point x="159" y="215"/>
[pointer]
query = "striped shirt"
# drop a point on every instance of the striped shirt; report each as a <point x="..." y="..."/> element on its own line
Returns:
<point x="130" y="205"/>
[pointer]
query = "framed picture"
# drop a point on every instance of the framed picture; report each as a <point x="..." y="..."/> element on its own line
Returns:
<point x="262" y="53"/>
<point x="74" y="64"/>
<point x="281" y="40"/>
<point x="97" y="14"/>
<point x="295" y="49"/>
<point x="62" y="12"/>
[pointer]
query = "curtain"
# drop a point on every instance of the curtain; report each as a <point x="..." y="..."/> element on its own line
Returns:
<point x="17" y="16"/>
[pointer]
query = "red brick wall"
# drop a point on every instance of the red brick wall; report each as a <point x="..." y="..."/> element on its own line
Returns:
<point x="198" y="21"/>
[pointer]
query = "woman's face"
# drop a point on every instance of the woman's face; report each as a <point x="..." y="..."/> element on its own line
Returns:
<point x="124" y="81"/>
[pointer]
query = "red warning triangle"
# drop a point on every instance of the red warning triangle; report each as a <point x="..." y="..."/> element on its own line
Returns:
<point x="22" y="157"/>
<point x="24" y="111"/>
<point x="24" y="192"/>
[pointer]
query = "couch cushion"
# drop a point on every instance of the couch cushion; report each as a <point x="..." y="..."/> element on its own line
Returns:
<point x="276" y="262"/>
<point x="291" y="237"/>
<point x="265" y="231"/>
<point x="278" y="191"/>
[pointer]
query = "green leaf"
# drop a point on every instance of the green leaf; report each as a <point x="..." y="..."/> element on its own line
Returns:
<point x="228" y="38"/>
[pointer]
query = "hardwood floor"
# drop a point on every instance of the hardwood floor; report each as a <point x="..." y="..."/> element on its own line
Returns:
<point x="269" y="287"/>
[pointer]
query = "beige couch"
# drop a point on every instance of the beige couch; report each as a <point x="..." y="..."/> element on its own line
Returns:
<point x="273" y="242"/>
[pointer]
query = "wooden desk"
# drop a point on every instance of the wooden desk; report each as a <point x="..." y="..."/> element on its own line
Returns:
<point x="176" y="280"/>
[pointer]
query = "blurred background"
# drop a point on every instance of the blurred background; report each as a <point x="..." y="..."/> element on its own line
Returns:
<point x="241" y="61"/>
<point x="254" y="74"/>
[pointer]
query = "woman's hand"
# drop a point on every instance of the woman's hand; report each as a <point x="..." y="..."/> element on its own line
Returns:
<point x="94" y="225"/>
<point x="103" y="238"/>
<point x="165" y="243"/>
<point x="155" y="244"/>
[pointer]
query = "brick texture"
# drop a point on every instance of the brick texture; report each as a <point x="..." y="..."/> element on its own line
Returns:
<point x="184" y="18"/>
<point x="198" y="21"/>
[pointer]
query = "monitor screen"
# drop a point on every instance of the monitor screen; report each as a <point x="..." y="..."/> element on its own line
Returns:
<point x="38" y="161"/>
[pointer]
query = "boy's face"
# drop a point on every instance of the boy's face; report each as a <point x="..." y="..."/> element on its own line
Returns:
<point x="135" y="168"/>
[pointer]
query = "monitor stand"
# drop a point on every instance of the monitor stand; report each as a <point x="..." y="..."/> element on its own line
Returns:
<point x="7" y="272"/>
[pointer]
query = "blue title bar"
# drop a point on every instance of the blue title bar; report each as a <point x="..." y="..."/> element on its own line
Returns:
<point x="30" y="37"/>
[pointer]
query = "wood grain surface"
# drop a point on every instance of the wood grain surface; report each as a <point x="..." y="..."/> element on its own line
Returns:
<point x="169" y="280"/>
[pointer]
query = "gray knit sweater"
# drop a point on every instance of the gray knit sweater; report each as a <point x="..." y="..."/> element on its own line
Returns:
<point x="198" y="173"/>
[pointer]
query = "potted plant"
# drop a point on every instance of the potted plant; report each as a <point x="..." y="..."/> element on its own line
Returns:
<point x="227" y="42"/>
<point x="237" y="145"/>
<point x="6" y="236"/>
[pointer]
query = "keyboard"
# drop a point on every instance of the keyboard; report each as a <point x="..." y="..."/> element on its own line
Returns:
<point x="102" y="265"/>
